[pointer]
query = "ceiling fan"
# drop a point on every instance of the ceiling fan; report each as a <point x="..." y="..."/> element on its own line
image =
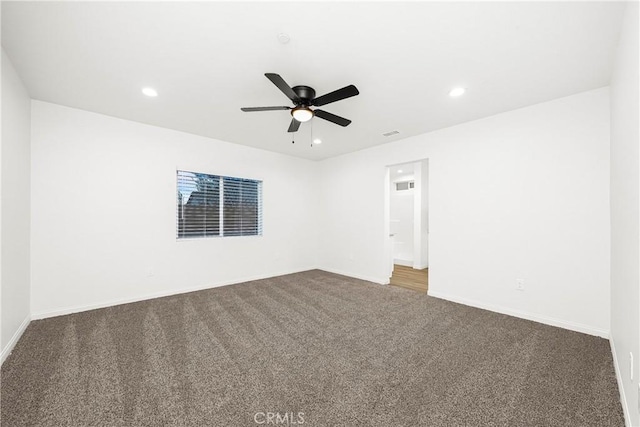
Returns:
<point x="304" y="97"/>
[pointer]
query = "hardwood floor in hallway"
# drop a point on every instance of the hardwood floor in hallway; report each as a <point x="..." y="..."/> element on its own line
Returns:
<point x="410" y="278"/>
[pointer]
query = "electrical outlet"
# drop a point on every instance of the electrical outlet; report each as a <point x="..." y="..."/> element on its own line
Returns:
<point x="520" y="284"/>
<point x="631" y="365"/>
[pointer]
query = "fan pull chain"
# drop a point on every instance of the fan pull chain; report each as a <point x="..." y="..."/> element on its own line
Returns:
<point x="311" y="133"/>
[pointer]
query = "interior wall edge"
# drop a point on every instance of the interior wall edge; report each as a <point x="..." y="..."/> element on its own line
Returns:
<point x="15" y="251"/>
<point x="623" y="397"/>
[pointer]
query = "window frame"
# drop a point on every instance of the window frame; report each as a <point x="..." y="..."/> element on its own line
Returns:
<point x="221" y="206"/>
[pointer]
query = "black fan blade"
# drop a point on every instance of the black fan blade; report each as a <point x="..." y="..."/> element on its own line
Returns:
<point x="283" y="86"/>
<point x="294" y="126"/>
<point x="332" y="118"/>
<point x="250" y="109"/>
<point x="336" y="95"/>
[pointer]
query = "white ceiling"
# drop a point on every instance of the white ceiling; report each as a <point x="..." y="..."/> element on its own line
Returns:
<point x="208" y="59"/>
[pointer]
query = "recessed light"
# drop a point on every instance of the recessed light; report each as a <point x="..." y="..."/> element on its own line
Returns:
<point x="456" y="91"/>
<point x="149" y="91"/>
<point x="399" y="170"/>
<point x="317" y="141"/>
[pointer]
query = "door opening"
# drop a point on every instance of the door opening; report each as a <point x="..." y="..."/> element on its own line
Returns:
<point x="407" y="216"/>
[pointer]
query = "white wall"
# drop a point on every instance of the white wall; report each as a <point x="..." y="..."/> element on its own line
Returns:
<point x="625" y="203"/>
<point x="103" y="218"/>
<point x="420" y="215"/>
<point x="15" y="176"/>
<point x="523" y="194"/>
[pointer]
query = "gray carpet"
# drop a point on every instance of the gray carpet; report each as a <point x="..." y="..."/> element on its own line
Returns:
<point x="343" y="352"/>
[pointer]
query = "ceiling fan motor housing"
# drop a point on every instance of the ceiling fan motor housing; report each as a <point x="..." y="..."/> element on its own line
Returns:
<point x="305" y="93"/>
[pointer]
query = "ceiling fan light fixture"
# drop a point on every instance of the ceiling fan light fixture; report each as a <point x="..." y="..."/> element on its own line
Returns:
<point x="302" y="114"/>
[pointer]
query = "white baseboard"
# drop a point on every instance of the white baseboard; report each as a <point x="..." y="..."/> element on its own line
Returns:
<point x="357" y="276"/>
<point x="14" y="339"/>
<point x="572" y="326"/>
<point x="623" y="398"/>
<point x="411" y="264"/>
<point x="111" y="303"/>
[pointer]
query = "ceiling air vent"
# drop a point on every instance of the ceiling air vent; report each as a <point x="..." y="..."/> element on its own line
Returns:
<point x="393" y="132"/>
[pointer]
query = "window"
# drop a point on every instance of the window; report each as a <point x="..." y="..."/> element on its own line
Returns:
<point x="212" y="205"/>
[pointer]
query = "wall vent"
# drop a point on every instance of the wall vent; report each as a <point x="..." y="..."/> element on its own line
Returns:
<point x="404" y="185"/>
<point x="393" y="132"/>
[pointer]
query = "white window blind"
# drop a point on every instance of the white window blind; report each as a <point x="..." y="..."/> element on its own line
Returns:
<point x="213" y="205"/>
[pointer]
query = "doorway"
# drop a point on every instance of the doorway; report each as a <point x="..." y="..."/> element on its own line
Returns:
<point x="407" y="214"/>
